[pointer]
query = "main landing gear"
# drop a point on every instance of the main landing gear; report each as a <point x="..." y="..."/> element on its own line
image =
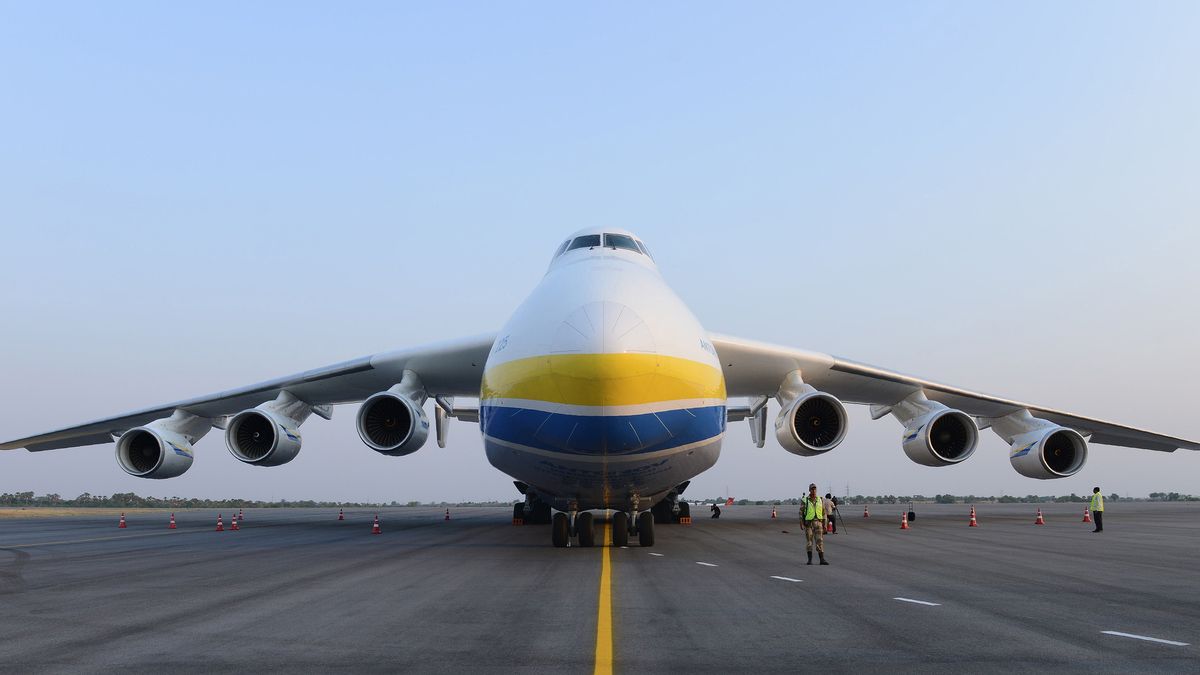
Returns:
<point x="561" y="530"/>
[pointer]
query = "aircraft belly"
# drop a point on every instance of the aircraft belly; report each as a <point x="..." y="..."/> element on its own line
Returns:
<point x="602" y="481"/>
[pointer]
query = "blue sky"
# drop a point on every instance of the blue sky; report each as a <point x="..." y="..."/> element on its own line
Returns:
<point x="1001" y="197"/>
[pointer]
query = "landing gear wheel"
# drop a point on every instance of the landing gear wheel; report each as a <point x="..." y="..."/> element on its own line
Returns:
<point x="620" y="529"/>
<point x="539" y="513"/>
<point x="685" y="510"/>
<point x="585" y="529"/>
<point x="560" y="531"/>
<point x="661" y="512"/>
<point x="646" y="528"/>
<point x="518" y="511"/>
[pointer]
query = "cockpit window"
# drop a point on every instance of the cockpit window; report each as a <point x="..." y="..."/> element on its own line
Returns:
<point x="586" y="241"/>
<point x="645" y="250"/>
<point x="562" y="249"/>
<point x="621" y="241"/>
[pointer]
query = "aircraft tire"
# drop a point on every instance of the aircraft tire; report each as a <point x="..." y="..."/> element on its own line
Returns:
<point x="685" y="509"/>
<point x="560" y="531"/>
<point x="646" y="528"/>
<point x="620" y="529"/>
<point x="586" y="529"/>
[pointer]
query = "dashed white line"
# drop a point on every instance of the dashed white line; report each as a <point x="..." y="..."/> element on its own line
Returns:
<point x="706" y="564"/>
<point x="787" y="579"/>
<point x="1143" y="637"/>
<point x="657" y="555"/>
<point x="918" y="602"/>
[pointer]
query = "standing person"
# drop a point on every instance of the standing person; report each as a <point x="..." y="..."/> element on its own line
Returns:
<point x="1097" y="508"/>
<point x="812" y="513"/>
<point x="830" y="522"/>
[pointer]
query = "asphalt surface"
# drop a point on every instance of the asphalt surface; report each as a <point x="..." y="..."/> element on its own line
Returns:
<point x="298" y="591"/>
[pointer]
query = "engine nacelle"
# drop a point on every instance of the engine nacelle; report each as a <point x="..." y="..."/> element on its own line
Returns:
<point x="940" y="438"/>
<point x="149" y="452"/>
<point x="812" y="423"/>
<point x="263" y="438"/>
<point x="392" y="424"/>
<point x="1051" y="452"/>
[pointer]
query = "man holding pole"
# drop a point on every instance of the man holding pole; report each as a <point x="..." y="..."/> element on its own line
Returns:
<point x="812" y="514"/>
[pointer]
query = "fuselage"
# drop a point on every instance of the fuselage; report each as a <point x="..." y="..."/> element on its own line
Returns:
<point x="602" y="390"/>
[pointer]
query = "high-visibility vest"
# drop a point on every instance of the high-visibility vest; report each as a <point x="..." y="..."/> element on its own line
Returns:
<point x="814" y="509"/>
<point x="1097" y="501"/>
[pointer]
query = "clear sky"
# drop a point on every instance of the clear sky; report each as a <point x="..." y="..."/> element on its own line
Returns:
<point x="1001" y="196"/>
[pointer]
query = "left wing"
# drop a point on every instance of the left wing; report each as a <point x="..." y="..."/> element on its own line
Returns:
<point x="446" y="369"/>
<point x="755" y="369"/>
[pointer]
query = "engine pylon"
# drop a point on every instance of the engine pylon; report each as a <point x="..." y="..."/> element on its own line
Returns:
<point x="1087" y="515"/>
<point x="1040" y="520"/>
<point x="973" y="523"/>
<point x="375" y="528"/>
<point x="904" y="520"/>
<point x="122" y="523"/>
<point x="171" y="525"/>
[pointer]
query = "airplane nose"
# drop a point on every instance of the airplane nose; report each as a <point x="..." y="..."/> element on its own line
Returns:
<point x="603" y="327"/>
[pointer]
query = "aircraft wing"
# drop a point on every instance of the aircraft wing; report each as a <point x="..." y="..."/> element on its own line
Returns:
<point x="755" y="369"/>
<point x="446" y="369"/>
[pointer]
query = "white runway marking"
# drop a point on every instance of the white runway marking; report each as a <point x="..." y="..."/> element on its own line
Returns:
<point x="1143" y="637"/>
<point x="707" y="564"/>
<point x="657" y="555"/>
<point x="918" y="602"/>
<point x="787" y="579"/>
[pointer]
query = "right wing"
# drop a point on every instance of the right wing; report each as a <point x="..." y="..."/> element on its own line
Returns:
<point x="446" y="369"/>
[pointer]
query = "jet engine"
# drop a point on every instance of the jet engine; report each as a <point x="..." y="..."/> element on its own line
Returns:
<point x="269" y="435"/>
<point x="162" y="448"/>
<point x="393" y="422"/>
<point x="810" y="422"/>
<point x="940" y="438"/>
<point x="262" y="438"/>
<point x="1056" y="452"/>
<point x="1040" y="448"/>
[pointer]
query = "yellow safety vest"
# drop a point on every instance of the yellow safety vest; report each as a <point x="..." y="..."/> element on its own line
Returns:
<point x="1097" y="501"/>
<point x="814" y="509"/>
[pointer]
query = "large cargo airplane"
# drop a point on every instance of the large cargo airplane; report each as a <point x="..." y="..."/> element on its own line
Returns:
<point x="602" y="391"/>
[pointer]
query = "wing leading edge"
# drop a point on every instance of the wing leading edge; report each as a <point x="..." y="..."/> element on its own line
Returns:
<point x="446" y="369"/>
<point x="757" y="369"/>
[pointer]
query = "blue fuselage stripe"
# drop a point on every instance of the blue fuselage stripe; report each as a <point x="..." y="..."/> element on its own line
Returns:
<point x="602" y="434"/>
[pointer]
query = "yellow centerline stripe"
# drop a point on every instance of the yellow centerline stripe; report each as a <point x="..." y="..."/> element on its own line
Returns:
<point x="604" y="646"/>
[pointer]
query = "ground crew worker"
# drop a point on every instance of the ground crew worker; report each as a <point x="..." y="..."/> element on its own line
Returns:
<point x="1097" y="508"/>
<point x="812" y="513"/>
<point x="830" y="514"/>
<point x="716" y="511"/>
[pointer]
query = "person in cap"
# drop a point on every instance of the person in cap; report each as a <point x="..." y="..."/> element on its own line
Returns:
<point x="812" y="513"/>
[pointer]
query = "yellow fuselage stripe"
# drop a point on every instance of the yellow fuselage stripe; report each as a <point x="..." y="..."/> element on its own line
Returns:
<point x="604" y="641"/>
<point x="603" y="379"/>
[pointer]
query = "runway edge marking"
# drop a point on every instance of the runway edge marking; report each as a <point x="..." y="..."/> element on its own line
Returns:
<point x="1144" y="637"/>
<point x="918" y="602"/>
<point x="604" y="641"/>
<point x="786" y="579"/>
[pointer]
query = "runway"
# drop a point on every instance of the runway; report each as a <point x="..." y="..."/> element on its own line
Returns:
<point x="297" y="590"/>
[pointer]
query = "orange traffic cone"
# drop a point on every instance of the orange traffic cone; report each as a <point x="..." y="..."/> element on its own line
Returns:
<point x="973" y="523"/>
<point x="171" y="525"/>
<point x="1087" y="516"/>
<point x="375" y="528"/>
<point x="341" y="515"/>
<point x="241" y="515"/>
<point x="447" y="514"/>
<point x="233" y="524"/>
<point x="1039" y="520"/>
<point x="122" y="523"/>
<point x="773" y="515"/>
<point x="866" y="513"/>
<point x="220" y="527"/>
<point x="903" y="520"/>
